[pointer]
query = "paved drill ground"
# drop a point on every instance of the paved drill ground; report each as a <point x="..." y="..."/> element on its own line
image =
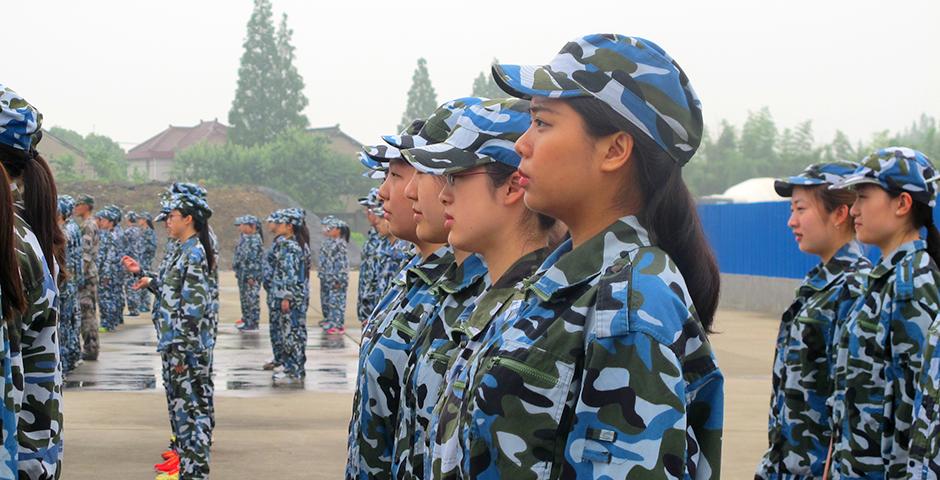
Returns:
<point x="116" y="420"/>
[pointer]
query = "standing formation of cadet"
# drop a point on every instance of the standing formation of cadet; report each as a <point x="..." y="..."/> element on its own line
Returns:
<point x="88" y="287"/>
<point x="493" y="356"/>
<point x="856" y="369"/>
<point x="246" y="262"/>
<point x="70" y="320"/>
<point x="30" y="262"/>
<point x="185" y="317"/>
<point x="333" y="273"/>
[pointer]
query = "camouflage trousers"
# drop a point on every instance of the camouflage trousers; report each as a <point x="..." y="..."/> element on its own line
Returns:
<point x="87" y="301"/>
<point x="295" y="343"/>
<point x="333" y="298"/>
<point x="111" y="303"/>
<point x="250" y="296"/>
<point x="277" y="328"/>
<point x="69" y="338"/>
<point x="190" y="396"/>
<point x="135" y="298"/>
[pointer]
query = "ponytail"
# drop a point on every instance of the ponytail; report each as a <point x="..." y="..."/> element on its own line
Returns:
<point x="40" y="206"/>
<point x="923" y="217"/>
<point x="302" y="235"/>
<point x="11" y="285"/>
<point x="202" y="227"/>
<point x="344" y="232"/>
<point x="669" y="211"/>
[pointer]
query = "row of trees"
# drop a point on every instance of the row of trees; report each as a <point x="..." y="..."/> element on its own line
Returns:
<point x="760" y="149"/>
<point x="104" y="155"/>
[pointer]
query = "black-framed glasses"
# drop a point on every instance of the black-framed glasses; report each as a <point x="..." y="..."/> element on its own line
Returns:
<point x="451" y="178"/>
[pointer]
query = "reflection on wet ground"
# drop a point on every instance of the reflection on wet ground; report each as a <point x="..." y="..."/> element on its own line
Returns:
<point x="129" y="362"/>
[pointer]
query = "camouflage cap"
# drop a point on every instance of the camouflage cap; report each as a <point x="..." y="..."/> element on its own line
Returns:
<point x="437" y="127"/>
<point x="295" y="216"/>
<point x="247" y="220"/>
<point x="829" y="173"/>
<point x="383" y="154"/>
<point x="485" y="133"/>
<point x="329" y="222"/>
<point x="897" y="169"/>
<point x="635" y="77"/>
<point x="66" y="205"/>
<point x="114" y="212"/>
<point x="273" y="217"/>
<point x="187" y="188"/>
<point x="190" y="204"/>
<point x="372" y="199"/>
<point x="146" y="216"/>
<point x="85" y="200"/>
<point x="20" y="122"/>
<point x="132" y="216"/>
<point x="164" y="210"/>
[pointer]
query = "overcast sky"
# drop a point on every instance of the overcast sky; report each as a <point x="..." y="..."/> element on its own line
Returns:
<point x="127" y="69"/>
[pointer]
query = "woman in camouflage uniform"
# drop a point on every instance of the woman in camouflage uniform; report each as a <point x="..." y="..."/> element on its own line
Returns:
<point x="246" y="262"/>
<point x="184" y="320"/>
<point x="69" y="315"/>
<point x="286" y="296"/>
<point x="333" y="273"/>
<point x="881" y="357"/>
<point x="148" y="251"/>
<point x="34" y="342"/>
<point x="804" y="362"/>
<point x="602" y="368"/>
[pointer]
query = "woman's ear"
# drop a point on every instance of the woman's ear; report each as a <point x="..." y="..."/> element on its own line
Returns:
<point x="905" y="204"/>
<point x="617" y="149"/>
<point x="840" y="216"/>
<point x="514" y="190"/>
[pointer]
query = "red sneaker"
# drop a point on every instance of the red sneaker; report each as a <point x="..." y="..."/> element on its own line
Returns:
<point x="168" y="466"/>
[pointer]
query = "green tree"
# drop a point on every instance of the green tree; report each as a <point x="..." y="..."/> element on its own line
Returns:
<point x="422" y="99"/>
<point x="64" y="168"/>
<point x="106" y="157"/>
<point x="485" y="86"/>
<point x="758" y="145"/>
<point x="255" y="112"/>
<point x="797" y="148"/>
<point x="291" y="89"/>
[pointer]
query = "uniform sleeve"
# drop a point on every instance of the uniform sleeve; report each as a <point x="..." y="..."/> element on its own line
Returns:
<point x="191" y="312"/>
<point x="253" y="263"/>
<point x="650" y="403"/>
<point x="925" y="437"/>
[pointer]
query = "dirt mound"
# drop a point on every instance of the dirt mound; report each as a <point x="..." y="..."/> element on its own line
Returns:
<point x="227" y="203"/>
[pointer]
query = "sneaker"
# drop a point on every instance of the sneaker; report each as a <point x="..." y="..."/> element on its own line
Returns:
<point x="322" y="323"/>
<point x="132" y="313"/>
<point x="269" y="366"/>
<point x="169" y="476"/>
<point x="336" y="331"/>
<point x="103" y="330"/>
<point x="169" y="454"/>
<point x="279" y="369"/>
<point x="240" y="323"/>
<point x="172" y="464"/>
<point x="89" y="358"/>
<point x="282" y="378"/>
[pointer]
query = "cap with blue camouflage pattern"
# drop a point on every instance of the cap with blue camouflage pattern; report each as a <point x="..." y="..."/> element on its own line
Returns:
<point x="437" y="127"/>
<point x="20" y="122"/>
<point x="187" y="188"/>
<point x="829" y="173"/>
<point x="146" y="216"/>
<point x="372" y="199"/>
<point x="66" y="205"/>
<point x="132" y="216"/>
<point x="190" y="204"/>
<point x="382" y="154"/>
<point x="897" y="170"/>
<point x="114" y="212"/>
<point x="633" y="76"/>
<point x="484" y="133"/>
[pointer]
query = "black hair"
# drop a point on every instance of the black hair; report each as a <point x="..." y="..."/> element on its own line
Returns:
<point x="922" y="217"/>
<point x="11" y="285"/>
<point x="302" y="235"/>
<point x="202" y="226"/>
<point x="499" y="174"/>
<point x="149" y="223"/>
<point x="669" y="210"/>
<point x="259" y="231"/>
<point x="40" y="201"/>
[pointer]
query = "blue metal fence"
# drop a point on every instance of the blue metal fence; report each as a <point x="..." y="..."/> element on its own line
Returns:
<point x="753" y="239"/>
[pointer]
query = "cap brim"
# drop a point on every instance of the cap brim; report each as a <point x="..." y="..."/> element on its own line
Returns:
<point x="402" y="142"/>
<point x="783" y="188"/>
<point x="160" y="217"/>
<point x="382" y="153"/>
<point x="527" y="81"/>
<point x="443" y="159"/>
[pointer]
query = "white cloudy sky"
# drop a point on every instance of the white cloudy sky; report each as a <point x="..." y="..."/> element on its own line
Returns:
<point x="128" y="68"/>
